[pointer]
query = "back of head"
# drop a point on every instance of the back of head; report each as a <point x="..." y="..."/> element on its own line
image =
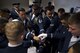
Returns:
<point x="13" y="29"/>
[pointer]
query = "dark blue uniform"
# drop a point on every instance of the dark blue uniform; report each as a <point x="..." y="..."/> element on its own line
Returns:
<point x="3" y="41"/>
<point x="25" y="23"/>
<point x="28" y="29"/>
<point x="50" y="26"/>
<point x="49" y="23"/>
<point x="14" y="15"/>
<point x="18" y="49"/>
<point x="37" y="24"/>
<point x="63" y="37"/>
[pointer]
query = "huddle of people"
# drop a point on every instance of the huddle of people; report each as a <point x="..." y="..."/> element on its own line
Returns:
<point x="38" y="30"/>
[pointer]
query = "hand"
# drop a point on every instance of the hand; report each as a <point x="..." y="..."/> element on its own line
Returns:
<point x="42" y="36"/>
<point x="36" y="38"/>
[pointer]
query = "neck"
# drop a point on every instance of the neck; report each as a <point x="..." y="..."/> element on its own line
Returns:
<point x="14" y="45"/>
<point x="14" y="42"/>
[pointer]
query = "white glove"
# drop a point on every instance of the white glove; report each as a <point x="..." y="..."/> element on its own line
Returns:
<point x="15" y="20"/>
<point x="42" y="36"/>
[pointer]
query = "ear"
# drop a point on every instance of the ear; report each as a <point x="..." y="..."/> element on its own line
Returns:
<point x="22" y="35"/>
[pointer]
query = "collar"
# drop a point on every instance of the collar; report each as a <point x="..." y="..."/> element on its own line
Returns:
<point x="11" y="45"/>
<point x="74" y="38"/>
<point x="16" y="12"/>
<point x="33" y="16"/>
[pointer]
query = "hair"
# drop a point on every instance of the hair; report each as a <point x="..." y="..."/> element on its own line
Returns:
<point x="64" y="19"/>
<point x="49" y="3"/>
<point x="35" y="6"/>
<point x="48" y="9"/>
<point x="72" y="10"/>
<point x="13" y="29"/>
<point x="21" y="9"/>
<point x="65" y="16"/>
<point x="74" y="19"/>
<point x="61" y="10"/>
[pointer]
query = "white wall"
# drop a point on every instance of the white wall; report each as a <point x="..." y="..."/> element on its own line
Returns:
<point x="67" y="4"/>
<point x="8" y="3"/>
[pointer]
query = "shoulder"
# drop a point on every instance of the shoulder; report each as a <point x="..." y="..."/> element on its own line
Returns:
<point x="27" y="44"/>
<point x="63" y="29"/>
<point x="2" y="50"/>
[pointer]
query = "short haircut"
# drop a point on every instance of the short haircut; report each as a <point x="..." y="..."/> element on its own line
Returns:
<point x="13" y="29"/>
<point x="48" y="9"/>
<point x="65" y="16"/>
<point x="61" y="10"/>
<point x="35" y="7"/>
<point x="74" y="19"/>
<point x="21" y="9"/>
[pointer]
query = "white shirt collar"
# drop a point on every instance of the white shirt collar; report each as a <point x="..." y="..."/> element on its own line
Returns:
<point x="16" y="12"/>
<point x="73" y="40"/>
<point x="33" y="16"/>
<point x="11" y="45"/>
